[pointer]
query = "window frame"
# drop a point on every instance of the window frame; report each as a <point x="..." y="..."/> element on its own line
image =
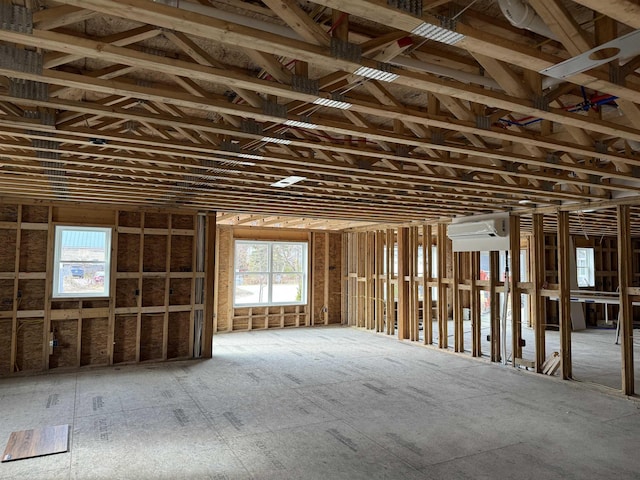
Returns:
<point x="270" y="273"/>
<point x="590" y="267"/>
<point x="57" y="253"/>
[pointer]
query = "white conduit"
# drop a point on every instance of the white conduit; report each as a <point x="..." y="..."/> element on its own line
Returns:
<point x="520" y="14"/>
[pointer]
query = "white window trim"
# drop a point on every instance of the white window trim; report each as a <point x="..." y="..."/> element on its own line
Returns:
<point x="591" y="276"/>
<point x="56" y="262"/>
<point x="270" y="303"/>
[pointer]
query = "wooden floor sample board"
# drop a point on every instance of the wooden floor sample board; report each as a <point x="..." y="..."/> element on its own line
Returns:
<point x="37" y="442"/>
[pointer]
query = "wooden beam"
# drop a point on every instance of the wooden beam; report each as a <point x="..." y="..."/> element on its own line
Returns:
<point x="564" y="298"/>
<point x="458" y="323"/>
<point x="294" y="16"/>
<point x="443" y="313"/>
<point x="403" y="286"/>
<point x="56" y="17"/>
<point x="538" y="279"/>
<point x="625" y="316"/>
<point x="427" y="263"/>
<point x="476" y="320"/>
<point x="516" y="301"/>
<point x="209" y="286"/>
<point x="494" y="267"/>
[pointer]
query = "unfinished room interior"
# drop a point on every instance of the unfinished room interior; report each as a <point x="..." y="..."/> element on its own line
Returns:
<point x="284" y="239"/>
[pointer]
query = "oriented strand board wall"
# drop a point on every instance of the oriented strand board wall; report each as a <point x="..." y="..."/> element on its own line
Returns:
<point x="335" y="277"/>
<point x="224" y="309"/>
<point x="318" y="278"/>
<point x="150" y="315"/>
<point x="94" y="341"/>
<point x="325" y="253"/>
<point x="124" y="338"/>
<point x="29" y="344"/>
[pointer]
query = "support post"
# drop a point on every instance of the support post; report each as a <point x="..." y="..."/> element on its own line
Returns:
<point x="209" y="282"/>
<point x="564" y="276"/>
<point x="427" y="314"/>
<point x="625" y="317"/>
<point x="494" y="261"/>
<point x="516" y="303"/>
<point x="537" y="277"/>
<point x="476" y="323"/>
<point x="443" y="314"/>
<point x="403" y="285"/>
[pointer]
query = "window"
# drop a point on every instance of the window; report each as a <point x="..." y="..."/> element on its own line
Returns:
<point x="81" y="262"/>
<point x="585" y="267"/>
<point x="270" y="273"/>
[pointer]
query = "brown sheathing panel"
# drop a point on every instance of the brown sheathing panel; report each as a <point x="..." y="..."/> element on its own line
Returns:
<point x="33" y="251"/>
<point x="94" y="341"/>
<point x="156" y="220"/>
<point x="35" y="214"/>
<point x="335" y="277"/>
<point x="153" y="292"/>
<point x="126" y="289"/>
<point x="8" y="213"/>
<point x="155" y="253"/>
<point x="178" y="338"/>
<point x="5" y="346"/>
<point x="129" y="219"/>
<point x="225" y="293"/>
<point x="151" y="337"/>
<point x="181" y="253"/>
<point x="6" y="296"/>
<point x="7" y="249"/>
<point x="124" y="348"/>
<point x="182" y="222"/>
<point x="31" y="294"/>
<point x="65" y="353"/>
<point x="84" y="336"/>
<point x="29" y="344"/>
<point x="318" y="280"/>
<point x="325" y="277"/>
<point x="128" y="252"/>
<point x="180" y="291"/>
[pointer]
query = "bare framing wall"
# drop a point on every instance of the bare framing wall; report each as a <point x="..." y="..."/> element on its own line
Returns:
<point x="324" y="299"/>
<point x="387" y="290"/>
<point x="148" y="316"/>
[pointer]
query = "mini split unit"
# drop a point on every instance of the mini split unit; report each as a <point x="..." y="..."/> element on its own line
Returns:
<point x="496" y="227"/>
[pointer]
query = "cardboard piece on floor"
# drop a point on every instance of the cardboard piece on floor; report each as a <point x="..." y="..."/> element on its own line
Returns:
<point x="36" y="443"/>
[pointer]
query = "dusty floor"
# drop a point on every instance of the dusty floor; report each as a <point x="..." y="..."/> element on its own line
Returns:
<point x="322" y="403"/>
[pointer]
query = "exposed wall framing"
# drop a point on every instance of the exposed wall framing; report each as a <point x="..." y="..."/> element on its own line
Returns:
<point x="324" y="299"/>
<point x="407" y="281"/>
<point x="149" y="315"/>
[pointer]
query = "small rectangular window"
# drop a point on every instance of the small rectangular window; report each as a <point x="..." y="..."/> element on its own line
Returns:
<point x="82" y="260"/>
<point x="270" y="273"/>
<point x="585" y="266"/>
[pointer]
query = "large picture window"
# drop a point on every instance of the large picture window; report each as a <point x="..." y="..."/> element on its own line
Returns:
<point x="270" y="273"/>
<point x="81" y="262"/>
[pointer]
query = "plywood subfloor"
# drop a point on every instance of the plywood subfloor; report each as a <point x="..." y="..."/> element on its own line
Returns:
<point x="36" y="443"/>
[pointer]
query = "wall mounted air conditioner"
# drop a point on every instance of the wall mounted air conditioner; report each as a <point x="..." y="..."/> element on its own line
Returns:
<point x="495" y="227"/>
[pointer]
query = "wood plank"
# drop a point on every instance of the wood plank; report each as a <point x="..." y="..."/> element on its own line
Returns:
<point x="538" y="278"/>
<point x="625" y="317"/>
<point x="564" y="279"/>
<point x="494" y="262"/>
<point x="516" y="302"/>
<point x="37" y="443"/>
<point x="210" y="286"/>
<point x="476" y="320"/>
